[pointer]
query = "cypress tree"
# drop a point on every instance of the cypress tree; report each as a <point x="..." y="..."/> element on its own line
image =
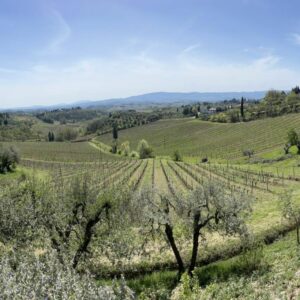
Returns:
<point x="242" y="108"/>
<point x="115" y="131"/>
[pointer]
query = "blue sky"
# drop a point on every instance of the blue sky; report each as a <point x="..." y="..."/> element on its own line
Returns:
<point x="69" y="50"/>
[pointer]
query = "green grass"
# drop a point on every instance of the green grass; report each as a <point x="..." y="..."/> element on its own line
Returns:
<point x="199" y="138"/>
<point x="276" y="278"/>
<point x="271" y="272"/>
<point x="156" y="281"/>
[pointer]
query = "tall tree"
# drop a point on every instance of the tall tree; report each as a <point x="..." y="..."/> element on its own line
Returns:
<point x="242" y="108"/>
<point x="115" y="138"/>
<point x="115" y="131"/>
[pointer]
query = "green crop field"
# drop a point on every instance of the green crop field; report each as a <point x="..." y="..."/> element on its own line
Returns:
<point x="199" y="138"/>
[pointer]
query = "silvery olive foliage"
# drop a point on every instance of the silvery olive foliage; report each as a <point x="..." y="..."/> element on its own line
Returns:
<point x="291" y="211"/>
<point x="73" y="216"/>
<point x="25" y="276"/>
<point x="21" y="211"/>
<point x="9" y="158"/>
<point x="47" y="228"/>
<point x="210" y="207"/>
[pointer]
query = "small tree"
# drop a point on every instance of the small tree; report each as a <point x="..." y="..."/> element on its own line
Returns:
<point x="125" y="148"/>
<point x="177" y="156"/>
<point x="208" y="208"/>
<point x="286" y="148"/>
<point x="65" y="134"/>
<point x="51" y="137"/>
<point x="293" y="139"/>
<point x="144" y="150"/>
<point x="291" y="212"/>
<point x="9" y="158"/>
<point x="234" y="117"/>
<point x="248" y="152"/>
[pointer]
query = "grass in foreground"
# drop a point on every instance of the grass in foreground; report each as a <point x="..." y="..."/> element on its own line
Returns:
<point x="270" y="273"/>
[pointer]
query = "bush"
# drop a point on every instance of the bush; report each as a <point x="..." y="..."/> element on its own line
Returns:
<point x="125" y="148"/>
<point x="144" y="150"/>
<point x="134" y="154"/>
<point x="177" y="156"/>
<point x="234" y="117"/>
<point x="252" y="257"/>
<point x="44" y="277"/>
<point x="66" y="134"/>
<point x="9" y="158"/>
<point x="248" y="152"/>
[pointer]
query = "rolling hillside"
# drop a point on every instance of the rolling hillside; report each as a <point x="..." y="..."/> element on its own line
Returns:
<point x="198" y="138"/>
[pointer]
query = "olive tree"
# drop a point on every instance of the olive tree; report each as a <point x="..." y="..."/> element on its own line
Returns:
<point x="57" y="223"/>
<point x="9" y="158"/>
<point x="70" y="216"/>
<point x="208" y="208"/>
<point x="291" y="212"/>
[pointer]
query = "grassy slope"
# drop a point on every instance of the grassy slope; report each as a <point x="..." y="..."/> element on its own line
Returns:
<point x="277" y="277"/>
<point x="198" y="138"/>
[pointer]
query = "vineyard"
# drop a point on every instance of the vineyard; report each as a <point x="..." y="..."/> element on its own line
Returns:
<point x="167" y="177"/>
<point x="64" y="165"/>
<point x="195" y="138"/>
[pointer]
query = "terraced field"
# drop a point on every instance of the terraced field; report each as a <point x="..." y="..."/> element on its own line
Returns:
<point x="197" y="138"/>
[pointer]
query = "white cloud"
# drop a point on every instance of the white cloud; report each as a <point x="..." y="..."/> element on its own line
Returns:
<point x="96" y="79"/>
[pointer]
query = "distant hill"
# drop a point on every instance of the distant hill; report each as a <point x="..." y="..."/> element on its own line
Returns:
<point x="170" y="98"/>
<point x="158" y="98"/>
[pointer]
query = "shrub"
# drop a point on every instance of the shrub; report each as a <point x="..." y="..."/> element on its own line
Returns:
<point x="144" y="150"/>
<point x="292" y="137"/>
<point x="66" y="134"/>
<point x="134" y="154"/>
<point x="9" y="157"/>
<point x="24" y="276"/>
<point x="188" y="289"/>
<point x="248" y="152"/>
<point x="177" y="156"/>
<point x="251" y="259"/>
<point x="234" y="117"/>
<point x="125" y="148"/>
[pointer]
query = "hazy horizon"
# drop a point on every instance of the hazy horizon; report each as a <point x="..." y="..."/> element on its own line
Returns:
<point x="63" y="52"/>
